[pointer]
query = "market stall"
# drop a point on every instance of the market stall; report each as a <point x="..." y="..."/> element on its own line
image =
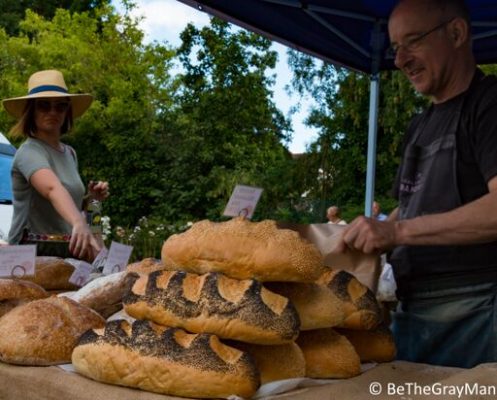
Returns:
<point x="53" y="383"/>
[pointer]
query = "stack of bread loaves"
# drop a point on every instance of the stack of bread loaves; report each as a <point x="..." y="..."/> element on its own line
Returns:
<point x="232" y="281"/>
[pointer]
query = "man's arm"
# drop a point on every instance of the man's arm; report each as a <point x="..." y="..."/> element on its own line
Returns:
<point x="475" y="222"/>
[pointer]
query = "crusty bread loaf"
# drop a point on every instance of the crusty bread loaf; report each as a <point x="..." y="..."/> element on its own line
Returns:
<point x="361" y="308"/>
<point x="377" y="345"/>
<point x="244" y="250"/>
<point x="212" y="303"/>
<point x="328" y="354"/>
<point x="145" y="266"/>
<point x="317" y="306"/>
<point x="44" y="332"/>
<point x="104" y="294"/>
<point x="275" y="363"/>
<point x="52" y="273"/>
<point x="165" y="360"/>
<point x="15" y="292"/>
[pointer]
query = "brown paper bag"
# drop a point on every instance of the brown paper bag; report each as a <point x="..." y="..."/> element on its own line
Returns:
<point x="365" y="267"/>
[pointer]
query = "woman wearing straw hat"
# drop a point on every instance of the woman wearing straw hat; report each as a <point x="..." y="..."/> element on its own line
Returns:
<point x="48" y="191"/>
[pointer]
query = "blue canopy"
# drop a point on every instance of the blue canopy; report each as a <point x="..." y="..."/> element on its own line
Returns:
<point x="349" y="33"/>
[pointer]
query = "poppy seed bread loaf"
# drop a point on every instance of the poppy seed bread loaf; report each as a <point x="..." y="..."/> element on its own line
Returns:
<point x="212" y="303"/>
<point x="242" y="249"/>
<point x="165" y="360"/>
<point x="360" y="306"/>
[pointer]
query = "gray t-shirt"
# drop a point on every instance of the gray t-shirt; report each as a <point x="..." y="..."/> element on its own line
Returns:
<point x="31" y="210"/>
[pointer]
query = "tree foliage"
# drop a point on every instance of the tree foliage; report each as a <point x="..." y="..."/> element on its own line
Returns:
<point x="13" y="12"/>
<point x="227" y="128"/>
<point x="172" y="146"/>
<point x="337" y="159"/>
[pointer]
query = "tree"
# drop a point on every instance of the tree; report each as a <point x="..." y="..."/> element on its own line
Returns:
<point x="337" y="170"/>
<point x="13" y="12"/>
<point x="227" y="129"/>
<point x="116" y="139"/>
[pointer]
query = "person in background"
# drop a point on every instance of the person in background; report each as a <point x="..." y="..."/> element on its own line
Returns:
<point x="443" y="235"/>
<point x="47" y="188"/>
<point x="377" y="212"/>
<point x="333" y="216"/>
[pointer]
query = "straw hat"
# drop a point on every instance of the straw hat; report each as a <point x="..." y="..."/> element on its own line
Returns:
<point x="48" y="84"/>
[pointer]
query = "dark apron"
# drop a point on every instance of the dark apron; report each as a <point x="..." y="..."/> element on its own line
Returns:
<point x="429" y="185"/>
<point x="442" y="319"/>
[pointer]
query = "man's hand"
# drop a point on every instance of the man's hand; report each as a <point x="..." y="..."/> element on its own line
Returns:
<point x="369" y="235"/>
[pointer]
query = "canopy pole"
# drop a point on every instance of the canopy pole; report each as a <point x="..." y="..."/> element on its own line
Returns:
<point x="377" y="41"/>
<point x="374" y="95"/>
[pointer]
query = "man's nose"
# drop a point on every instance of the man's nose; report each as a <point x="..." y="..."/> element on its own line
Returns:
<point x="401" y="57"/>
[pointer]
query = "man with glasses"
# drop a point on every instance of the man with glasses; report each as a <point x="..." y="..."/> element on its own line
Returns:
<point x="443" y="235"/>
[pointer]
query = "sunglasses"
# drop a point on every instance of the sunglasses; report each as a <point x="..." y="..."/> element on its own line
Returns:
<point x="46" y="106"/>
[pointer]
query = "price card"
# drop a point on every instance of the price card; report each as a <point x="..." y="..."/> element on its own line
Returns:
<point x="82" y="271"/>
<point x="17" y="261"/>
<point x="100" y="259"/>
<point x="117" y="259"/>
<point x="243" y="201"/>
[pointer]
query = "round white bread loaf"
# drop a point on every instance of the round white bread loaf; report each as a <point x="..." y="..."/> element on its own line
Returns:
<point x="104" y="294"/>
<point x="44" y="332"/>
<point x="285" y="361"/>
<point x="212" y="303"/>
<point x="52" y="273"/>
<point x="328" y="354"/>
<point x="377" y="345"/>
<point x="317" y="306"/>
<point x="242" y="249"/>
<point x="16" y="292"/>
<point x="165" y="360"/>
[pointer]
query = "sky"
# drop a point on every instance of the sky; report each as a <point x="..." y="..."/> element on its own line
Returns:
<point x="165" y="19"/>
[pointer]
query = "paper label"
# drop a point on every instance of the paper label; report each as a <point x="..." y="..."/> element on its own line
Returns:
<point x="17" y="261"/>
<point x="243" y="201"/>
<point x="82" y="271"/>
<point x="100" y="259"/>
<point x="117" y="259"/>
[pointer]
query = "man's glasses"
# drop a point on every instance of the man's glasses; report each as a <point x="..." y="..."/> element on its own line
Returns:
<point x="46" y="106"/>
<point x="413" y="43"/>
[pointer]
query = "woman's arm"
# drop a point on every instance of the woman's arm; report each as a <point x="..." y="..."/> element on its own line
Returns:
<point x="82" y="243"/>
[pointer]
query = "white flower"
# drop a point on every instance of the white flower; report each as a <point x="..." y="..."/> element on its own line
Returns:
<point x="151" y="233"/>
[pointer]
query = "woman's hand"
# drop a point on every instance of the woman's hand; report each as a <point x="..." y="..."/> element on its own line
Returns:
<point x="98" y="190"/>
<point x="83" y="244"/>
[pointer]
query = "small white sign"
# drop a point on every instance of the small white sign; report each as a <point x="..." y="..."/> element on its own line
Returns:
<point x="82" y="271"/>
<point x="17" y="261"/>
<point x="243" y="201"/>
<point x="117" y="259"/>
<point x="100" y="259"/>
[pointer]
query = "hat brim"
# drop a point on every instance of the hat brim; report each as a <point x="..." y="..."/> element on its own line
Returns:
<point x="79" y="102"/>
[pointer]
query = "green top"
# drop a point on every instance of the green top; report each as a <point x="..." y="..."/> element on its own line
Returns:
<point x="31" y="210"/>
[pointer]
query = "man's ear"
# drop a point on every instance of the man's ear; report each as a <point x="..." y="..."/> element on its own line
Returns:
<point x="458" y="31"/>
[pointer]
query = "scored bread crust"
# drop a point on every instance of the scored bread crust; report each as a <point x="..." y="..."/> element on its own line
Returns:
<point x="242" y="249"/>
<point x="52" y="273"/>
<point x="328" y="354"/>
<point x="145" y="266"/>
<point x="44" y="332"/>
<point x="165" y="360"/>
<point x="213" y="303"/>
<point x="285" y="361"/>
<point x="361" y="308"/>
<point x="317" y="306"/>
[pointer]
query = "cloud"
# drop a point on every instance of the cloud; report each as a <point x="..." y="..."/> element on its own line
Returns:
<point x="165" y="19"/>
